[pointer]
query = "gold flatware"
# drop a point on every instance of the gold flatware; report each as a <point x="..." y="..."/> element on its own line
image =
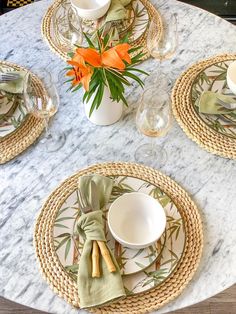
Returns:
<point x="97" y="245"/>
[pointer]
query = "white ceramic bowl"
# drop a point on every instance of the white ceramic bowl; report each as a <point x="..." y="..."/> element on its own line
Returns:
<point x="231" y="77"/>
<point x="91" y="9"/>
<point x="136" y="220"/>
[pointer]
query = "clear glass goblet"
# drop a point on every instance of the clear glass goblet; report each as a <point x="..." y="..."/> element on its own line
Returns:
<point x="75" y="31"/>
<point x="153" y="119"/>
<point x="164" y="47"/>
<point x="68" y="26"/>
<point x="44" y="107"/>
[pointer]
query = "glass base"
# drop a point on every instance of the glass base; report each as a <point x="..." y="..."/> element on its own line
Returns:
<point x="150" y="155"/>
<point x="53" y="142"/>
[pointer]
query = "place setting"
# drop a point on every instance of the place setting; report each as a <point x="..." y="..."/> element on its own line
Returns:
<point x="116" y="236"/>
<point x="27" y="102"/>
<point x="203" y="101"/>
<point x="64" y="22"/>
<point x="18" y="129"/>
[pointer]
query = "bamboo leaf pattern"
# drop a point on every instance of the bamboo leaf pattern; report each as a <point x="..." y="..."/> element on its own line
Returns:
<point x="121" y="260"/>
<point x="150" y="266"/>
<point x="72" y="271"/>
<point x="160" y="196"/>
<point x="62" y="235"/>
<point x="60" y="226"/>
<point x="214" y="79"/>
<point x="68" y="245"/>
<point x="155" y="277"/>
<point x="11" y="122"/>
<point x="174" y="226"/>
<point x="62" y="211"/>
<point x="140" y="265"/>
<point x="63" y="219"/>
<point x="62" y="243"/>
<point x="138" y="253"/>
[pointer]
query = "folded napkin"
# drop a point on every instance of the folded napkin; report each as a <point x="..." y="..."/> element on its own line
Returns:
<point x="109" y="286"/>
<point x="16" y="86"/>
<point x="117" y="10"/>
<point x="208" y="104"/>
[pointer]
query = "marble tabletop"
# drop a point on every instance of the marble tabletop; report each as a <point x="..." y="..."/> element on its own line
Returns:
<point x="27" y="180"/>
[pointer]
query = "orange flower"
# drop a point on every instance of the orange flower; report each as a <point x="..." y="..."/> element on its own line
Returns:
<point x="114" y="57"/>
<point x="77" y="59"/>
<point x="90" y="56"/>
<point x="122" y="50"/>
<point x="81" y="73"/>
<point x="111" y="59"/>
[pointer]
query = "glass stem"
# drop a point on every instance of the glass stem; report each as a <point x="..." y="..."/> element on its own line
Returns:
<point x="160" y="65"/>
<point x="45" y="121"/>
<point x="152" y="145"/>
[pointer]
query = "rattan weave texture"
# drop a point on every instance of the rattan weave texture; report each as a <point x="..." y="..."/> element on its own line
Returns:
<point x="188" y="119"/>
<point x="151" y="300"/>
<point x="16" y="142"/>
<point x="60" y="49"/>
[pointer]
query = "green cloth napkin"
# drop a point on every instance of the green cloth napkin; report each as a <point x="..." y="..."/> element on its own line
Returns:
<point x="117" y="10"/>
<point x="16" y="86"/>
<point x="207" y="103"/>
<point x="109" y="287"/>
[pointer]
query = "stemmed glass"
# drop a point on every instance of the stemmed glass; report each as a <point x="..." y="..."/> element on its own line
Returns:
<point x="75" y="32"/>
<point x="153" y="119"/>
<point x="44" y="107"/>
<point x="164" y="47"/>
<point x="68" y="26"/>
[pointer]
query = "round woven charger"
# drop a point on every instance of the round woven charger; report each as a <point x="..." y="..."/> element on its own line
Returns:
<point x="187" y="117"/>
<point x="151" y="300"/>
<point x="17" y="141"/>
<point x="62" y="51"/>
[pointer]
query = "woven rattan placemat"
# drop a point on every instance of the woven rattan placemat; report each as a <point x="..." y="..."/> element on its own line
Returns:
<point x="189" y="120"/>
<point x="16" y="142"/>
<point x="60" y="49"/>
<point x="64" y="285"/>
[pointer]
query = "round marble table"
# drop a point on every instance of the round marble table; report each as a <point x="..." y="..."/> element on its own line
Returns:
<point x="27" y="180"/>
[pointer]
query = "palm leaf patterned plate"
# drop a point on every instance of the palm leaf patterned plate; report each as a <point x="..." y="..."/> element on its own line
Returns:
<point x="136" y="23"/>
<point x="8" y="104"/>
<point x="134" y="10"/>
<point x="60" y="22"/>
<point x="12" y="110"/>
<point x="142" y="269"/>
<point x="213" y="78"/>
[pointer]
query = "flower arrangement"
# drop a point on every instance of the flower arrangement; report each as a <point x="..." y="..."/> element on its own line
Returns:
<point x="104" y="64"/>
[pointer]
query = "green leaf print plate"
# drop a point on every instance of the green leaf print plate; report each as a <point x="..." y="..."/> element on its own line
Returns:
<point x="65" y="20"/>
<point x="12" y="110"/>
<point x="213" y="78"/>
<point x="141" y="269"/>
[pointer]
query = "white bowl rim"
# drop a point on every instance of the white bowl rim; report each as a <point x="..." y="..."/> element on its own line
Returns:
<point x="232" y="65"/>
<point x="231" y="79"/>
<point x="89" y="10"/>
<point x="135" y="244"/>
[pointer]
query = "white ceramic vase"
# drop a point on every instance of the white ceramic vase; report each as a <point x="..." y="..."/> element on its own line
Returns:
<point x="108" y="112"/>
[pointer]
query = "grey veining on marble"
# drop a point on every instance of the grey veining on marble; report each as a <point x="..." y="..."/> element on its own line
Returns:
<point x="26" y="181"/>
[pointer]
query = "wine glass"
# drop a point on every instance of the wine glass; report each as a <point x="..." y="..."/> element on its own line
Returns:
<point x="162" y="47"/>
<point x="75" y="32"/>
<point x="68" y="26"/>
<point x="44" y="107"/>
<point x="153" y="119"/>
